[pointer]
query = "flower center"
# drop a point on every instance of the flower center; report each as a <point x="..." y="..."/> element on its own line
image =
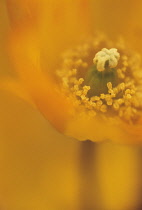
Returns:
<point x="102" y="72"/>
<point x="110" y="85"/>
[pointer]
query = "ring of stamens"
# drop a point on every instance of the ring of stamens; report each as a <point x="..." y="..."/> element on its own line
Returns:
<point x="123" y="100"/>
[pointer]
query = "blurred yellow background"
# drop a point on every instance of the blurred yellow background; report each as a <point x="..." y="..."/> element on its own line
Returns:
<point x="41" y="169"/>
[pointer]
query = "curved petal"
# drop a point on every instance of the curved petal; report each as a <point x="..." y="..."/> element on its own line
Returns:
<point x="63" y="24"/>
<point x="134" y="131"/>
<point x="100" y="129"/>
<point x="25" y="55"/>
<point x="58" y="24"/>
<point x="120" y="18"/>
<point x="17" y="88"/>
<point x="49" y="29"/>
<point x="23" y="14"/>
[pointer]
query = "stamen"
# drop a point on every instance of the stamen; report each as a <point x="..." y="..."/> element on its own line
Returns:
<point x="105" y="88"/>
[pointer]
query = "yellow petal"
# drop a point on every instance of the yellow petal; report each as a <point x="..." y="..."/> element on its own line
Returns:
<point x="25" y="55"/>
<point x="120" y="18"/>
<point x="98" y="129"/>
<point x="17" y="88"/>
<point x="52" y="104"/>
<point x="23" y="14"/>
<point x="60" y="24"/>
<point x="113" y="17"/>
<point x="134" y="132"/>
<point x="63" y="24"/>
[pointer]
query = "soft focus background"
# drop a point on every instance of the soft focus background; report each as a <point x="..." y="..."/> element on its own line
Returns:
<point x="41" y="169"/>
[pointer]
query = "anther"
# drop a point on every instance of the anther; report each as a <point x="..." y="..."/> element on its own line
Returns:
<point x="103" y="86"/>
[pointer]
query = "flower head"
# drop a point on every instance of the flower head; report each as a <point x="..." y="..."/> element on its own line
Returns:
<point x="105" y="89"/>
<point x="96" y="91"/>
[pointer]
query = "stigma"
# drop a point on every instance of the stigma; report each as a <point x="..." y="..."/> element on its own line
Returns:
<point x="103" y="78"/>
<point x="106" y="58"/>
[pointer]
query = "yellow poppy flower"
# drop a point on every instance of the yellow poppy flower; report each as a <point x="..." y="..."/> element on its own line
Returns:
<point x="36" y="46"/>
